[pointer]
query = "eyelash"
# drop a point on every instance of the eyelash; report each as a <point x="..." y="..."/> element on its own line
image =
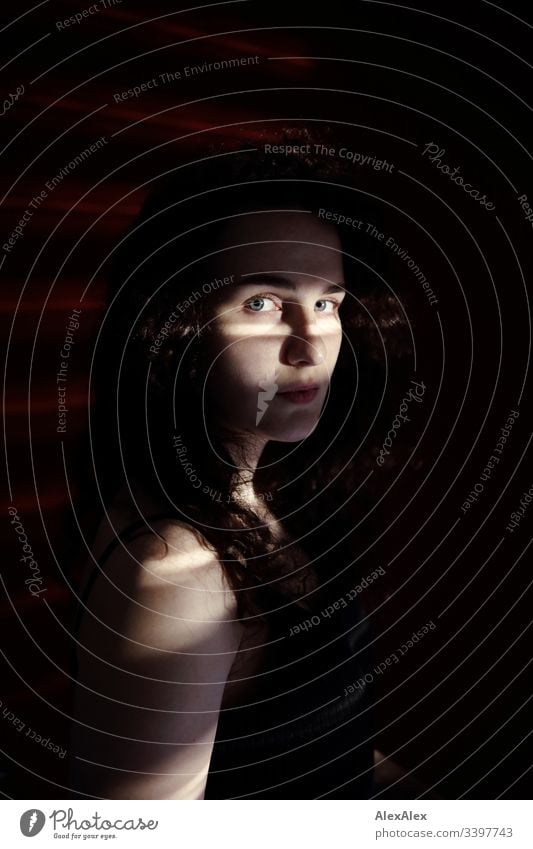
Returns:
<point x="272" y="297"/>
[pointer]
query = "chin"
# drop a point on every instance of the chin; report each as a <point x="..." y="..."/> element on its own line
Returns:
<point x="292" y="434"/>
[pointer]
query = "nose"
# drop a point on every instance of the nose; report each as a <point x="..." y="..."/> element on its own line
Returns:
<point x="304" y="346"/>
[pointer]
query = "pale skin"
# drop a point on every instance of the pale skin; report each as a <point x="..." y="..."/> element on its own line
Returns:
<point x="173" y="617"/>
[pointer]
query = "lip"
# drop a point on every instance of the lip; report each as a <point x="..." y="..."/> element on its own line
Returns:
<point x="300" y="396"/>
<point x="299" y="387"/>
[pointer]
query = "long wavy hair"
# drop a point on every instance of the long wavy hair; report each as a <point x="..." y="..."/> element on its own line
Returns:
<point x="150" y="363"/>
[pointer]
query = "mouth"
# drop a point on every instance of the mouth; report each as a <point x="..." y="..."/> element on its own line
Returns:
<point x="303" y="393"/>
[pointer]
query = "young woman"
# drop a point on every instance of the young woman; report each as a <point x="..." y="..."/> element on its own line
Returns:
<point x="221" y="646"/>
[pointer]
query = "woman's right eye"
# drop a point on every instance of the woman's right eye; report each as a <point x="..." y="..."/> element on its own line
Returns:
<point x="255" y="304"/>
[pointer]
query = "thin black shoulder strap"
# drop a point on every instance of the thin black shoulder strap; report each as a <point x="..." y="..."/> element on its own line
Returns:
<point x="119" y="537"/>
<point x="85" y="592"/>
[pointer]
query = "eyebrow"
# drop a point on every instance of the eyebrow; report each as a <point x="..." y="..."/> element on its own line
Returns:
<point x="279" y="281"/>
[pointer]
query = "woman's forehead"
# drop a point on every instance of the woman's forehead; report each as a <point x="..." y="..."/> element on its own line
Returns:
<point x="276" y="223"/>
<point x="292" y="242"/>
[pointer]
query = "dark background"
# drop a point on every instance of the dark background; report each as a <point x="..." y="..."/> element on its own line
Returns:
<point x="387" y="79"/>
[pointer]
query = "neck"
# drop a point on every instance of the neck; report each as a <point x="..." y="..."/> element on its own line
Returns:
<point x="246" y="455"/>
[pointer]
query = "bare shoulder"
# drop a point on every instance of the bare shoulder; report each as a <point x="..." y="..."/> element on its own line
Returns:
<point x="157" y="550"/>
<point x="165" y="580"/>
<point x="156" y="646"/>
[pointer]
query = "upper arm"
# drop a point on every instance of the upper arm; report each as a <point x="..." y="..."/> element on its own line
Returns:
<point x="165" y="641"/>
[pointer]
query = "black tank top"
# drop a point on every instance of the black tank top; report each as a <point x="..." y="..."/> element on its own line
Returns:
<point x="306" y="729"/>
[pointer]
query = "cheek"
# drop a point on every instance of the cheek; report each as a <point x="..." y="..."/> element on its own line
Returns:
<point x="243" y="363"/>
<point x="333" y="346"/>
<point x="238" y="374"/>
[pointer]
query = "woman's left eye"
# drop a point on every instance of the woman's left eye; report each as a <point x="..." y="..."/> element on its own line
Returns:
<point x="333" y="304"/>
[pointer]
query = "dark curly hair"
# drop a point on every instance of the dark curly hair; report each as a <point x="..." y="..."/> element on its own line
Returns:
<point x="147" y="370"/>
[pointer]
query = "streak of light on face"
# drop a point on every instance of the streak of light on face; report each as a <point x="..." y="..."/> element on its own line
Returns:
<point x="276" y="325"/>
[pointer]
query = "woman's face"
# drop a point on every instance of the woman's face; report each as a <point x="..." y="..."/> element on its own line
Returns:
<point x="274" y="322"/>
